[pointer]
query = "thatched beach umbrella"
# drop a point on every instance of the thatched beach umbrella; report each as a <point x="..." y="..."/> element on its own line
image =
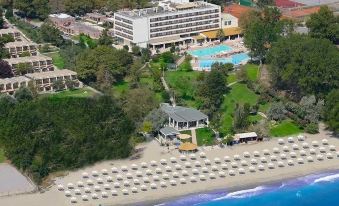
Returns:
<point x="74" y="200"/>
<point x="163" y="161"/>
<point x="310" y="159"/>
<point x="70" y="185"/>
<point x="227" y="159"/>
<point x="247" y="154"/>
<point x="87" y="190"/>
<point x="281" y="141"/>
<point x="114" y="170"/>
<point x="84" y="198"/>
<point x="305" y="145"/>
<point x="104" y="171"/>
<point x="256" y="154"/>
<point x="290" y="140"/>
<point x="324" y="141"/>
<point x="68" y="193"/>
<point x="60" y="187"/>
<point x="114" y="192"/>
<point x="97" y="188"/>
<point x="202" y="155"/>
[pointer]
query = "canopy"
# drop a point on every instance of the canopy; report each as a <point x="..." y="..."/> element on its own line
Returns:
<point x="187" y="146"/>
<point x="184" y="136"/>
<point x="227" y="31"/>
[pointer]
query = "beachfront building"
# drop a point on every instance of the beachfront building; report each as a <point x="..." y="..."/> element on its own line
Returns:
<point x="10" y="31"/>
<point x="46" y="81"/>
<point x="34" y="63"/>
<point x="245" y="137"/>
<point x="18" y="48"/>
<point x="10" y="85"/>
<point x="183" y="118"/>
<point x="168" y="23"/>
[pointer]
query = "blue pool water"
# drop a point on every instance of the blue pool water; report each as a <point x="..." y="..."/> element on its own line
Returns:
<point x="234" y="59"/>
<point x="312" y="190"/>
<point x="210" y="51"/>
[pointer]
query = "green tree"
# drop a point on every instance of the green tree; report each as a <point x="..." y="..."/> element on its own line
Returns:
<point x="6" y="38"/>
<point x="33" y="9"/>
<point x="264" y="3"/>
<point x="220" y="34"/>
<point x="241" y="114"/>
<point x="136" y="50"/>
<point x="145" y="54"/>
<point x="331" y="110"/>
<point x="24" y="68"/>
<point x="9" y="13"/>
<point x="105" y="39"/>
<point x="23" y="94"/>
<point x="277" y="111"/>
<point x="158" y="119"/>
<point x="25" y="54"/>
<point x="51" y="34"/>
<point x="79" y="7"/>
<point x="5" y="70"/>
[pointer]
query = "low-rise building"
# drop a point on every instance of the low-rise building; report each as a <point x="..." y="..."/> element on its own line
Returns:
<point x="61" y="21"/>
<point x="47" y="81"/>
<point x="13" y="32"/>
<point x="96" y="17"/>
<point x="17" y="48"/>
<point x="10" y="85"/>
<point x="36" y="63"/>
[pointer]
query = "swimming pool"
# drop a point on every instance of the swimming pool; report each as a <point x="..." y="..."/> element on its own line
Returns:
<point x="210" y="51"/>
<point x="234" y="59"/>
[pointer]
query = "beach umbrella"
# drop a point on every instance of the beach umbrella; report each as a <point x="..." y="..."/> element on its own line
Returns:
<point x="143" y="187"/>
<point x="231" y="172"/>
<point x="251" y="169"/>
<point x="270" y="165"/>
<point x="165" y="176"/>
<point x="337" y="154"/>
<point x="173" y="182"/>
<point x="261" y="167"/>
<point x="95" y="173"/>
<point x="329" y="155"/>
<point x="178" y="167"/>
<point x="138" y="173"/>
<point x="80" y="184"/>
<point x="243" y="163"/>
<point x="214" y="168"/>
<point x="126" y="183"/>
<point x="187" y="164"/>
<point x="212" y="176"/>
<point x="322" y="149"/>
<point x="100" y="180"/>
<point x="168" y="169"/>
<point x="197" y="164"/>
<point x="129" y="175"/>
<point x="183" y="157"/>
<point x="207" y="162"/>
<point x="149" y="172"/>
<point x="154" y="163"/>
<point x="293" y="154"/>
<point x="324" y="141"/>
<point x="145" y="179"/>
<point x="332" y="148"/>
<point x="153" y="186"/>
<point x="195" y="171"/>
<point x="217" y="160"/>
<point x="124" y="191"/>
<point x="301" y="138"/>
<point x="163" y="161"/>
<point x="182" y="181"/>
<point x="290" y="139"/>
<point x="315" y="143"/>
<point x="136" y="181"/>
<point x="84" y="175"/>
<point x="204" y="170"/>
<point x="184" y="173"/>
<point x="173" y="159"/>
<point x="290" y="162"/>
<point x="84" y="198"/>
<point x="202" y="155"/>
<point x="256" y="154"/>
<point x="281" y="141"/>
<point x="281" y="164"/>
<point x="68" y="193"/>
<point x="119" y="177"/>
<point x="295" y="146"/>
<point x="247" y="154"/>
<point x="158" y="170"/>
<point x="310" y="159"/>
<point x="234" y="164"/>
<point x="283" y="156"/>
<point x="263" y="159"/>
<point x="87" y="190"/>
<point x="302" y="152"/>
<point x="241" y="170"/>
<point x="73" y="200"/>
<point x="266" y="152"/>
<point x="156" y="178"/>
<point x="276" y="150"/>
<point x="222" y="174"/>
<point x="273" y="158"/>
<point x="313" y="151"/>
<point x="300" y="160"/>
<point x="236" y="157"/>
<point x="89" y="182"/>
<point x="116" y="185"/>
<point x="202" y="177"/>
<point x="114" y="170"/>
<point x="224" y="166"/>
<point x="227" y="159"/>
<point x="134" y="166"/>
<point x="143" y="165"/>
<point x="70" y="186"/>
<point x="114" y="192"/>
<point x="163" y="184"/>
<point x="254" y="161"/>
<point x="285" y="148"/>
<point x="305" y="145"/>
<point x="192" y="156"/>
<point x="134" y="189"/>
<point x="94" y="196"/>
<point x="109" y="179"/>
<point x="104" y="194"/>
<point x="193" y="179"/>
<point x="104" y="171"/>
<point x="60" y="187"/>
<point x="96" y="188"/>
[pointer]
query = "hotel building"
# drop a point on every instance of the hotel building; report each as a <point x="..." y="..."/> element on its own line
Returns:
<point x="10" y="85"/>
<point x="37" y="63"/>
<point x="168" y="23"/>
<point x="13" y="32"/>
<point x="17" y="48"/>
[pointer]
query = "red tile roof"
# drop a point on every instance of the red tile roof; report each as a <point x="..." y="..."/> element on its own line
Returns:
<point x="299" y="13"/>
<point x="237" y="10"/>
<point x="287" y="4"/>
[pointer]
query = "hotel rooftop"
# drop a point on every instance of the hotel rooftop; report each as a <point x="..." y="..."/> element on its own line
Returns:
<point x="51" y="74"/>
<point x="28" y="59"/>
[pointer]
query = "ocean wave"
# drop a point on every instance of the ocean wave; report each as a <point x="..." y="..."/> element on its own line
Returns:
<point x="329" y="178"/>
<point x="243" y="193"/>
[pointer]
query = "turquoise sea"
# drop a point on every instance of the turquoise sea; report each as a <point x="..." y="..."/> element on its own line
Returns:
<point x="312" y="190"/>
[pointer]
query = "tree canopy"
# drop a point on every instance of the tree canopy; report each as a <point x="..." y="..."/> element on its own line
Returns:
<point x="332" y="110"/>
<point x="33" y="9"/>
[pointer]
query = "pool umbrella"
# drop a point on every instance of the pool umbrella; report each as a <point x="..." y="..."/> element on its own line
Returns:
<point x="126" y="183"/>
<point x="184" y="136"/>
<point x="313" y="151"/>
<point x="212" y="176"/>
<point x="273" y="158"/>
<point x="183" y="181"/>
<point x="337" y="154"/>
<point x="214" y="168"/>
<point x="149" y="172"/>
<point x="276" y="150"/>
<point x="163" y="184"/>
<point x="322" y="149"/>
<point x="293" y="154"/>
<point x="251" y="169"/>
<point x="129" y="175"/>
<point x="197" y="164"/>
<point x="87" y="190"/>
<point x="329" y="155"/>
<point x="184" y="173"/>
<point x="286" y="149"/>
<point x="261" y="167"/>
<point x="302" y="153"/>
<point x="80" y="184"/>
<point x="187" y="164"/>
<point x="266" y="152"/>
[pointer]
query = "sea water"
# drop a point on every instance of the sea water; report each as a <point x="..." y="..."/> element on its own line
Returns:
<point x="312" y="190"/>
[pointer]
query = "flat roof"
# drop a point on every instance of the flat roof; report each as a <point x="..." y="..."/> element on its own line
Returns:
<point x="298" y="13"/>
<point x="50" y="74"/>
<point x="246" y="135"/>
<point x="14" y="80"/>
<point x="182" y="114"/>
<point x="28" y="59"/>
<point x="169" y="131"/>
<point x="20" y="43"/>
<point x="9" y="30"/>
<point x="60" y="16"/>
<point x="168" y="39"/>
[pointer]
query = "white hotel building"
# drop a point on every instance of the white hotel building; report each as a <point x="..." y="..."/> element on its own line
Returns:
<point x="168" y="23"/>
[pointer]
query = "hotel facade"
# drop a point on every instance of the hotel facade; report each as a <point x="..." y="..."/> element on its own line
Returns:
<point x="169" y="23"/>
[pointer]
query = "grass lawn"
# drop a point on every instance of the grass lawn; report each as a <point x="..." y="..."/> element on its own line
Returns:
<point x="2" y="155"/>
<point x="264" y="107"/>
<point x="231" y="78"/>
<point x="252" y="71"/>
<point x="205" y="136"/>
<point x="255" y="118"/>
<point x="58" y="61"/>
<point x="285" y="128"/>
<point x="120" y="88"/>
<point x="82" y="93"/>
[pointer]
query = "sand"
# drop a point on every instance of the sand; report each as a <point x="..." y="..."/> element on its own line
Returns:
<point x="152" y="151"/>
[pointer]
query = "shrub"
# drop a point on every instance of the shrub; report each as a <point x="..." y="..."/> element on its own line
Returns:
<point x="312" y="128"/>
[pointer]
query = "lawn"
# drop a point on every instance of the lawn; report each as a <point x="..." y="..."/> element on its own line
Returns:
<point x="120" y="88"/>
<point x="2" y="155"/>
<point x="285" y="128"/>
<point x="81" y="93"/>
<point x="252" y="71"/>
<point x="231" y="78"/>
<point x="58" y="61"/>
<point x="205" y="136"/>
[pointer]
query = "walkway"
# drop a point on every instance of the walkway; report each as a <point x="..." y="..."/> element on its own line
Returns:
<point x="194" y="137"/>
<point x="262" y="114"/>
<point x="164" y="83"/>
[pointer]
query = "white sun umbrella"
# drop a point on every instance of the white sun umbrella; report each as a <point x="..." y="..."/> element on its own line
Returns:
<point x="127" y="183"/>
<point x="68" y="193"/>
<point x="87" y="190"/>
<point x="290" y="162"/>
<point x="73" y="200"/>
<point x="224" y="166"/>
<point x="154" y="163"/>
<point x="285" y="148"/>
<point x="143" y="165"/>
<point x="100" y="180"/>
<point x="266" y="152"/>
<point x="70" y="185"/>
<point x="80" y="184"/>
<point x="94" y="196"/>
<point x="109" y="179"/>
<point x="163" y="161"/>
<point x="305" y="145"/>
<point x="136" y="181"/>
<point x="313" y="151"/>
<point x="301" y="138"/>
<point x="173" y="182"/>
<point x="156" y="178"/>
<point x="114" y="170"/>
<point x="173" y="159"/>
<point x="183" y="181"/>
<point x="204" y="170"/>
<point x="263" y="159"/>
<point x="178" y="167"/>
<point x="95" y="173"/>
<point x="149" y="172"/>
<point x="124" y="191"/>
<point x="293" y="154"/>
<point x="129" y="175"/>
<point x="143" y="187"/>
<point x="212" y="176"/>
<point x="193" y="179"/>
<point x="251" y="169"/>
<point x="96" y="188"/>
<point x="104" y="171"/>
<point x="188" y="165"/>
<point x="183" y="157"/>
<point x="104" y="194"/>
<point x="227" y="159"/>
<point x="134" y="189"/>
<point x="324" y="141"/>
<point x="302" y="153"/>
<point x="332" y="148"/>
<point x="153" y="186"/>
<point x="256" y="153"/>
<point x="158" y="170"/>
<point x="197" y="164"/>
<point x="168" y="169"/>
<point x="165" y="176"/>
<point x="214" y="168"/>
<point x="337" y="154"/>
<point x="89" y="182"/>
<point x="315" y="143"/>
<point x="290" y="139"/>
<point x="247" y="154"/>
<point x="202" y="177"/>
<point x="322" y="149"/>
<point x="270" y="165"/>
<point x="295" y="146"/>
<point x="192" y="156"/>
<point x="309" y="158"/>
<point x="163" y="184"/>
<point x="231" y="172"/>
<point x="276" y="150"/>
<point x="138" y="173"/>
<point x="222" y="174"/>
<point x="217" y="160"/>
<point x="195" y="171"/>
<point x="114" y="192"/>
<point x="243" y="163"/>
<point x="300" y="160"/>
<point x="329" y="155"/>
<point x="241" y="170"/>
<point x="202" y="155"/>
<point x="145" y="179"/>
<point x="134" y="166"/>
<point x="116" y="185"/>
<point x="207" y="162"/>
<point x="281" y="141"/>
<point x="119" y="177"/>
<point x="261" y="167"/>
<point x="124" y="168"/>
<point x="184" y="173"/>
<point x="84" y="198"/>
<point x="281" y="164"/>
<point x="273" y="158"/>
<point x="254" y="161"/>
<point x="283" y="156"/>
<point x="84" y="175"/>
<point x="236" y="157"/>
<point x="60" y="187"/>
<point x="234" y="164"/>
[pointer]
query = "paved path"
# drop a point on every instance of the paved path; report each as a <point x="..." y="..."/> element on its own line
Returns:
<point x="262" y="114"/>
<point x="164" y="83"/>
<point x="194" y="137"/>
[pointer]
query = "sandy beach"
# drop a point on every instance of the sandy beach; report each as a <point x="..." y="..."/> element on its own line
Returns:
<point x="152" y="151"/>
